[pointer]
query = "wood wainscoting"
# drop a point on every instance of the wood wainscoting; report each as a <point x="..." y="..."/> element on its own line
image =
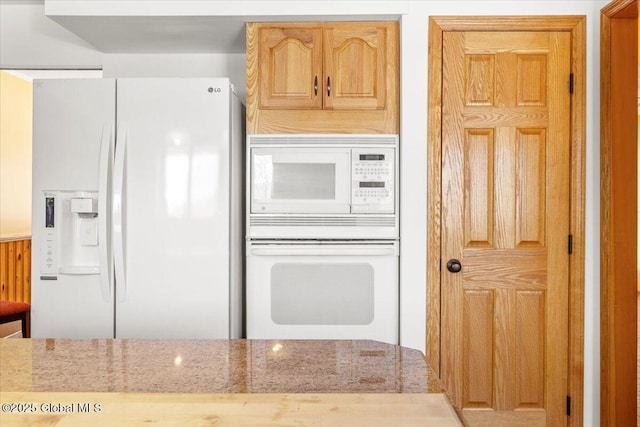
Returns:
<point x="15" y="269"/>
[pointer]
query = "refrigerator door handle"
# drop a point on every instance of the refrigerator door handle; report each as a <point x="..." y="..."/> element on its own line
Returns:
<point x="106" y="169"/>
<point x="118" y="213"/>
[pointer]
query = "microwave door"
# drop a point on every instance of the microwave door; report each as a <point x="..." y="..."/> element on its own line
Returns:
<point x="300" y="180"/>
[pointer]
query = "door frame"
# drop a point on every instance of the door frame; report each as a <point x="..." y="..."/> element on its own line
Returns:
<point x="576" y="26"/>
<point x="618" y="212"/>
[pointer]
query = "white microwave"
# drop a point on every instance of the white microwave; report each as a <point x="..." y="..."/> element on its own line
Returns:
<point x="346" y="184"/>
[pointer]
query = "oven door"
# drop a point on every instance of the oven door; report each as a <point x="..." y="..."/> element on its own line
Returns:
<point x="312" y="290"/>
<point x="300" y="180"/>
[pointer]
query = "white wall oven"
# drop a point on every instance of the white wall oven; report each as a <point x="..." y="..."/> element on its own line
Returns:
<point x="322" y="290"/>
<point x="322" y="186"/>
<point x="322" y="237"/>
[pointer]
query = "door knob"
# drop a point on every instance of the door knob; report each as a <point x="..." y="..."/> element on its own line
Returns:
<point x="454" y="266"/>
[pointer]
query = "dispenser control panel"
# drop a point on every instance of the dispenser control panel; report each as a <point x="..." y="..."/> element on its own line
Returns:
<point x="48" y="262"/>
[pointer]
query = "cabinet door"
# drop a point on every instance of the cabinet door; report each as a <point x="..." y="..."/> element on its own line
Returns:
<point x="290" y="66"/>
<point x="356" y="65"/>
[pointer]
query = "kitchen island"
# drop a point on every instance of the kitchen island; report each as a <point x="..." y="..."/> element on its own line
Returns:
<point x="218" y="382"/>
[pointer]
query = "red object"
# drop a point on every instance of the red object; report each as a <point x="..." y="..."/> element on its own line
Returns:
<point x="14" y="310"/>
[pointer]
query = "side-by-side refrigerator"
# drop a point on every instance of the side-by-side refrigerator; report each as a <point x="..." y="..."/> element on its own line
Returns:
<point x="137" y="209"/>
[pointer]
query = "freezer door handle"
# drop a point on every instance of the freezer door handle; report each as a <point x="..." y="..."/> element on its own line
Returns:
<point x="119" y="213"/>
<point x="104" y="241"/>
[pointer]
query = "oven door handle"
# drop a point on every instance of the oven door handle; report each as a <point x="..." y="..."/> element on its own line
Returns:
<point x="323" y="251"/>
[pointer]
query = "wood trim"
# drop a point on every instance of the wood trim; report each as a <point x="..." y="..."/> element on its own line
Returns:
<point x="618" y="213"/>
<point x="507" y="23"/>
<point x="325" y="121"/>
<point x="576" y="25"/>
<point x="434" y="155"/>
<point x="621" y="9"/>
<point x="252" y="78"/>
<point x="577" y="221"/>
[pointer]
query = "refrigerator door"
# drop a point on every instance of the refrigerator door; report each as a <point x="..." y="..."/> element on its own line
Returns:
<point x="171" y="208"/>
<point x="73" y="137"/>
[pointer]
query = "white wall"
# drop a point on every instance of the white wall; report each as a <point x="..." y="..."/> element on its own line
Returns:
<point x="179" y="65"/>
<point x="28" y="39"/>
<point x="414" y="29"/>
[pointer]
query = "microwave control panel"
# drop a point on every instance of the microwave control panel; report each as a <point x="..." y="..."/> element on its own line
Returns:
<point x="373" y="183"/>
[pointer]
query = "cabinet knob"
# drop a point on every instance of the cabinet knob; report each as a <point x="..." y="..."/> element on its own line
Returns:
<point x="315" y="86"/>
<point x="329" y="86"/>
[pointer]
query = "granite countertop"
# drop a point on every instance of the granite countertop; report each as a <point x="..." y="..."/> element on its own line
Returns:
<point x="212" y="366"/>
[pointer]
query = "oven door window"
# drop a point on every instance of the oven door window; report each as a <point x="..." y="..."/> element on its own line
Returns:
<point x="300" y="180"/>
<point x="322" y="294"/>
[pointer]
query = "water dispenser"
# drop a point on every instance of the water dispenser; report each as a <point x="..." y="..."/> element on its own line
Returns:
<point x="71" y="234"/>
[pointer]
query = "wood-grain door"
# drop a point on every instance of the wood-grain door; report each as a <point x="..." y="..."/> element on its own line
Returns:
<point x="355" y="65"/>
<point x="290" y="59"/>
<point x="505" y="217"/>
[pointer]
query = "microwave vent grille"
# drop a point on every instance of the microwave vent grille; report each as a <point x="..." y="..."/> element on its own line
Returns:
<point x="324" y="139"/>
<point x="322" y="221"/>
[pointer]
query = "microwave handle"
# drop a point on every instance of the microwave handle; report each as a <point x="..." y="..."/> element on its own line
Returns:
<point x="322" y="251"/>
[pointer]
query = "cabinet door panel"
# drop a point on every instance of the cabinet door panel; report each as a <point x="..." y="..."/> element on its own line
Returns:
<point x="355" y="65"/>
<point x="290" y="61"/>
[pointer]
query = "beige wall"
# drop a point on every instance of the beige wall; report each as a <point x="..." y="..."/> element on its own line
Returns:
<point x="15" y="155"/>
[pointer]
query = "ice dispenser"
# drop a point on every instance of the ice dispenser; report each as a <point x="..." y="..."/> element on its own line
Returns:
<point x="71" y="230"/>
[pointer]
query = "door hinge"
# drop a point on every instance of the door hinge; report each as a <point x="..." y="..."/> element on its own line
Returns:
<point x="570" y="244"/>
<point x="571" y="83"/>
<point x="568" y="406"/>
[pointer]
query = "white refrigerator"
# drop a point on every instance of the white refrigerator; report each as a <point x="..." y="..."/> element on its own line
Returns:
<point x="137" y="209"/>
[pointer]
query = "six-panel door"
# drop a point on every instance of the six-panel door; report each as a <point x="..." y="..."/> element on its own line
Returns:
<point x="505" y="216"/>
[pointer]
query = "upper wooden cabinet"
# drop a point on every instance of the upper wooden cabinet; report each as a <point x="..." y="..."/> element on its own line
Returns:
<point x="355" y="65"/>
<point x="290" y="66"/>
<point x="322" y="77"/>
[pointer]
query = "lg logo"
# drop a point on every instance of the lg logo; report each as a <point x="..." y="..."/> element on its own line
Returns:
<point x="215" y="90"/>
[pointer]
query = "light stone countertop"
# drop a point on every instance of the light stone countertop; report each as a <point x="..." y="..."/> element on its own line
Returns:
<point x="229" y="383"/>
<point x="212" y="366"/>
